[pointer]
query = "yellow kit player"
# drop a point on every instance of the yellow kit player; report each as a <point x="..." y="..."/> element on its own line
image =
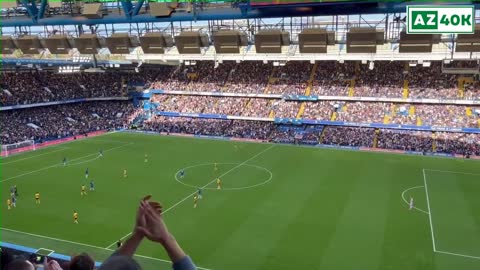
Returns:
<point x="125" y="173"/>
<point x="195" y="200"/>
<point x="146" y="158"/>
<point x="9" y="204"/>
<point x="75" y="217"/>
<point x="84" y="190"/>
<point x="37" y="198"/>
<point x="219" y="183"/>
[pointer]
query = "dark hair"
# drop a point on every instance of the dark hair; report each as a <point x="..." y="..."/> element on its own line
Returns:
<point x="5" y="258"/>
<point x="20" y="264"/>
<point x="82" y="262"/>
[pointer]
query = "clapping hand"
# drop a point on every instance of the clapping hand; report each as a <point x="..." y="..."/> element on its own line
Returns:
<point x="150" y="222"/>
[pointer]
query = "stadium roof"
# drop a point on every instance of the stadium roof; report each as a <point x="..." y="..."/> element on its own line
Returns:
<point x="125" y="11"/>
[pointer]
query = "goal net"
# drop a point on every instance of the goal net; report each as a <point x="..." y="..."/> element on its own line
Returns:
<point x="9" y="149"/>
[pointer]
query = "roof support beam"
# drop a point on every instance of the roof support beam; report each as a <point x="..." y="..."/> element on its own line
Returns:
<point x="43" y="6"/>
<point x="31" y="9"/>
<point x="127" y="7"/>
<point x="137" y="8"/>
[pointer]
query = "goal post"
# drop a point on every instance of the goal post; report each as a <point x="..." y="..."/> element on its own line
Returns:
<point x="9" y="149"/>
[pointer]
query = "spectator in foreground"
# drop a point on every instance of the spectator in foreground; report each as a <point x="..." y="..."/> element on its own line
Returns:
<point x="20" y="264"/>
<point x="82" y="262"/>
<point x="149" y="223"/>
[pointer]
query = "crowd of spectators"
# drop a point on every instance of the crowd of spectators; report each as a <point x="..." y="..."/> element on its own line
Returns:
<point x="333" y="78"/>
<point x="363" y="112"/>
<point x="384" y="80"/>
<point x="249" y="77"/>
<point x="349" y="136"/>
<point x="52" y="122"/>
<point x="321" y="110"/>
<point x="458" y="143"/>
<point x="430" y="82"/>
<point x="204" y="76"/>
<point x="290" y="79"/>
<point x="286" y="109"/>
<point x="406" y="140"/>
<point x="44" y="86"/>
<point x="357" y="112"/>
<point x="214" y="105"/>
<point x="446" y="116"/>
<point x="211" y="127"/>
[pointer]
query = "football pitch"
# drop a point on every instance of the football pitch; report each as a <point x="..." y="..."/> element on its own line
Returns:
<point x="280" y="206"/>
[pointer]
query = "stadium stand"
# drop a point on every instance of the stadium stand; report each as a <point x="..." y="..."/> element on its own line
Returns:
<point x="331" y="79"/>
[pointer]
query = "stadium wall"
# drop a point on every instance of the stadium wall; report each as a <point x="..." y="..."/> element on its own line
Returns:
<point x="50" y="143"/>
<point x="27" y="251"/>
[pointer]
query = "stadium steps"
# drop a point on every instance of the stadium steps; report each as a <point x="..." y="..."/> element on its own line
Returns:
<point x="411" y="111"/>
<point x="351" y="88"/>
<point x="406" y="67"/>
<point x="478" y="123"/>
<point x="334" y="116"/>
<point x="271" y="79"/>
<point x="375" y="139"/>
<point x="434" y="142"/>
<point x="271" y="114"/>
<point x="301" y="110"/>
<point x="387" y="119"/>
<point x="468" y="112"/>
<point x="322" y="135"/>
<point x="249" y="103"/>
<point x="308" y="91"/>
<point x="419" y="121"/>
<point x="461" y="85"/>
<point x="405" y="89"/>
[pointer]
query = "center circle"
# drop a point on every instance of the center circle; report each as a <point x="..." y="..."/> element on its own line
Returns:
<point x="214" y="174"/>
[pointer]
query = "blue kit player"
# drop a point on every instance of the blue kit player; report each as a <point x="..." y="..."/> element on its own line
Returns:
<point x="86" y="173"/>
<point x="182" y="173"/>
<point x="14" y="201"/>
<point x="100" y="153"/>
<point x="199" y="193"/>
<point x="64" y="161"/>
<point x="92" y="185"/>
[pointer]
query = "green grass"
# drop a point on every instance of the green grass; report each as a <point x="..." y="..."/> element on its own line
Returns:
<point x="321" y="209"/>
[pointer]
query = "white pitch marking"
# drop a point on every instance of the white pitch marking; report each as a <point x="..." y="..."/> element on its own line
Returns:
<point x="227" y="163"/>
<point x="429" y="211"/>
<point x="86" y="245"/>
<point x="466" y="173"/>
<point x="405" y="200"/>
<point x="52" y="238"/>
<point x="17" y="160"/>
<point x="457" y="254"/>
<point x="62" y="143"/>
<point x="184" y="199"/>
<point x="49" y="251"/>
<point x="56" y="165"/>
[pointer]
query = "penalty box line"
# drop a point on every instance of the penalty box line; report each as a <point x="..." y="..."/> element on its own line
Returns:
<point x="209" y="183"/>
<point x="85" y="245"/>
<point x="435" y="250"/>
<point x="57" y="164"/>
